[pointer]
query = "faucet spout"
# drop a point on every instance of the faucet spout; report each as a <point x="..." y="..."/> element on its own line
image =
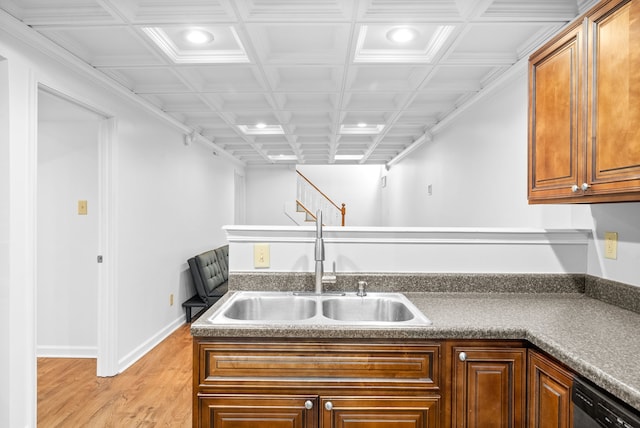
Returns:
<point x="319" y="252"/>
<point x="321" y="278"/>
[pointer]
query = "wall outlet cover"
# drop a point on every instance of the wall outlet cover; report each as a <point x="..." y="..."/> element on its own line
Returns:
<point x="261" y="257"/>
<point x="611" y="245"/>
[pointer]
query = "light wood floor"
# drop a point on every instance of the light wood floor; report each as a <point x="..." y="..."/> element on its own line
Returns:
<point x="154" y="392"/>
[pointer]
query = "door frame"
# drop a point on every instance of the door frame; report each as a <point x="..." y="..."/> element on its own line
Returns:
<point x="107" y="350"/>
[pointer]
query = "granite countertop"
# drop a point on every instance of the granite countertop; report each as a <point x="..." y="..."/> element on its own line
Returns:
<point x="596" y="339"/>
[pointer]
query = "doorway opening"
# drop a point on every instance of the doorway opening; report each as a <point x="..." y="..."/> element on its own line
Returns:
<point x="73" y="146"/>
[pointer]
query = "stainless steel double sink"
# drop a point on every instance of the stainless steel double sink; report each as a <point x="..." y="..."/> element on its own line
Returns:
<point x="272" y="308"/>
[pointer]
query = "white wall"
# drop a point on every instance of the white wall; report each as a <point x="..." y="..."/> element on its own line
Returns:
<point x="170" y="200"/>
<point x="623" y="218"/>
<point x="67" y="281"/>
<point x="19" y="127"/>
<point x="5" y="381"/>
<point x="478" y="168"/>
<point x="268" y="189"/>
<point x="357" y="186"/>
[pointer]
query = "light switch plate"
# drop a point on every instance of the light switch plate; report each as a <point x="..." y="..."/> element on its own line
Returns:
<point x="82" y="207"/>
<point x="611" y="245"/>
<point x="261" y="256"/>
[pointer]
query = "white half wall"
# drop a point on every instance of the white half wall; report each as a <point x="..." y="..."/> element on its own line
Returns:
<point x="411" y="250"/>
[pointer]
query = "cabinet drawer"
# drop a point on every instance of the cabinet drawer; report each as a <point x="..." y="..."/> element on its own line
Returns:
<point x="379" y="412"/>
<point x="255" y="411"/>
<point x="291" y="364"/>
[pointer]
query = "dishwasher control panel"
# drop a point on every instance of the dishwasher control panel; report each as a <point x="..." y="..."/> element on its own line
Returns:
<point x="598" y="407"/>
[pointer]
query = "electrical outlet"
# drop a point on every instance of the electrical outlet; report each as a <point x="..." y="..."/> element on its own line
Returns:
<point x="261" y="255"/>
<point x="171" y="299"/>
<point x="611" y="245"/>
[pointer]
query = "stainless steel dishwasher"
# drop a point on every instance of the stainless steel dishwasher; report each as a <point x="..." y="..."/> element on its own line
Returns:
<point x="595" y="408"/>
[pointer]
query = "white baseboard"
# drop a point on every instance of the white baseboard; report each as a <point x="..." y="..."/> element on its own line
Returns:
<point x="139" y="352"/>
<point x="67" y="351"/>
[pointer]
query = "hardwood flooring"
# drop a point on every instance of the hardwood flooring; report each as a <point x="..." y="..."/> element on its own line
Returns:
<point x="154" y="392"/>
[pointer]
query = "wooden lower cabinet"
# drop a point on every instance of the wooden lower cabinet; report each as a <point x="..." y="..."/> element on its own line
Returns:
<point x="257" y="411"/>
<point x="246" y="383"/>
<point x="488" y="386"/>
<point x="379" y="412"/>
<point x="397" y="384"/>
<point x="549" y="388"/>
<point x="260" y="411"/>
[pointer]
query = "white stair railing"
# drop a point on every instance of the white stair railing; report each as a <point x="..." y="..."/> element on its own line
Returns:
<point x="310" y="199"/>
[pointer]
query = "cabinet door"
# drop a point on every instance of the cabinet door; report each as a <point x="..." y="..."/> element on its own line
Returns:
<point x="549" y="393"/>
<point x="555" y="117"/>
<point x="256" y="411"/>
<point x="489" y="387"/>
<point x="379" y="412"/>
<point x="613" y="143"/>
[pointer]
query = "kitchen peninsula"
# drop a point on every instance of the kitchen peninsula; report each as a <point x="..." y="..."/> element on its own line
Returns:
<point x="591" y="338"/>
<point x="495" y="326"/>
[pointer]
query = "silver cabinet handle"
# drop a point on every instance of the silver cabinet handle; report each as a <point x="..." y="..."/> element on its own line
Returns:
<point x="308" y="404"/>
<point x="584" y="186"/>
<point x="462" y="356"/>
<point x="574" y="188"/>
<point x="328" y="405"/>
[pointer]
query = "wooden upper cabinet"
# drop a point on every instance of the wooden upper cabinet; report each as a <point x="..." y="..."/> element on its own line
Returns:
<point x="584" y="109"/>
<point x="555" y="105"/>
<point x="613" y="120"/>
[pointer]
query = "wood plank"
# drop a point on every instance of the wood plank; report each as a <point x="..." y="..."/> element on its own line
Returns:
<point x="155" y="391"/>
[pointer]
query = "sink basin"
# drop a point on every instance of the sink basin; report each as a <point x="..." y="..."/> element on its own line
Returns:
<point x="271" y="308"/>
<point x="376" y="310"/>
<point x="379" y="309"/>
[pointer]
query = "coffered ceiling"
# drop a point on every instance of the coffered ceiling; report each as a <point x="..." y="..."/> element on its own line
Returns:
<point x="302" y="81"/>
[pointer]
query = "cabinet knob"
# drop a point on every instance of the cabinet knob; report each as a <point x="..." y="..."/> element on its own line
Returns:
<point x="328" y="405"/>
<point x="574" y="188"/>
<point x="462" y="356"/>
<point x="584" y="186"/>
<point x="308" y="404"/>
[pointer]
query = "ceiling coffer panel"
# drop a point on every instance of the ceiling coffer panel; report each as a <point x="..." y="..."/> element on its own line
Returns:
<point x="273" y="81"/>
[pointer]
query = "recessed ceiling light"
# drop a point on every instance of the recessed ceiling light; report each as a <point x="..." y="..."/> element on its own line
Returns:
<point x="348" y="157"/>
<point x="412" y="44"/>
<point x="276" y="158"/>
<point x="261" y="129"/>
<point x="359" y="129"/>
<point x="198" y="37"/>
<point x="174" y="42"/>
<point x="402" y="34"/>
